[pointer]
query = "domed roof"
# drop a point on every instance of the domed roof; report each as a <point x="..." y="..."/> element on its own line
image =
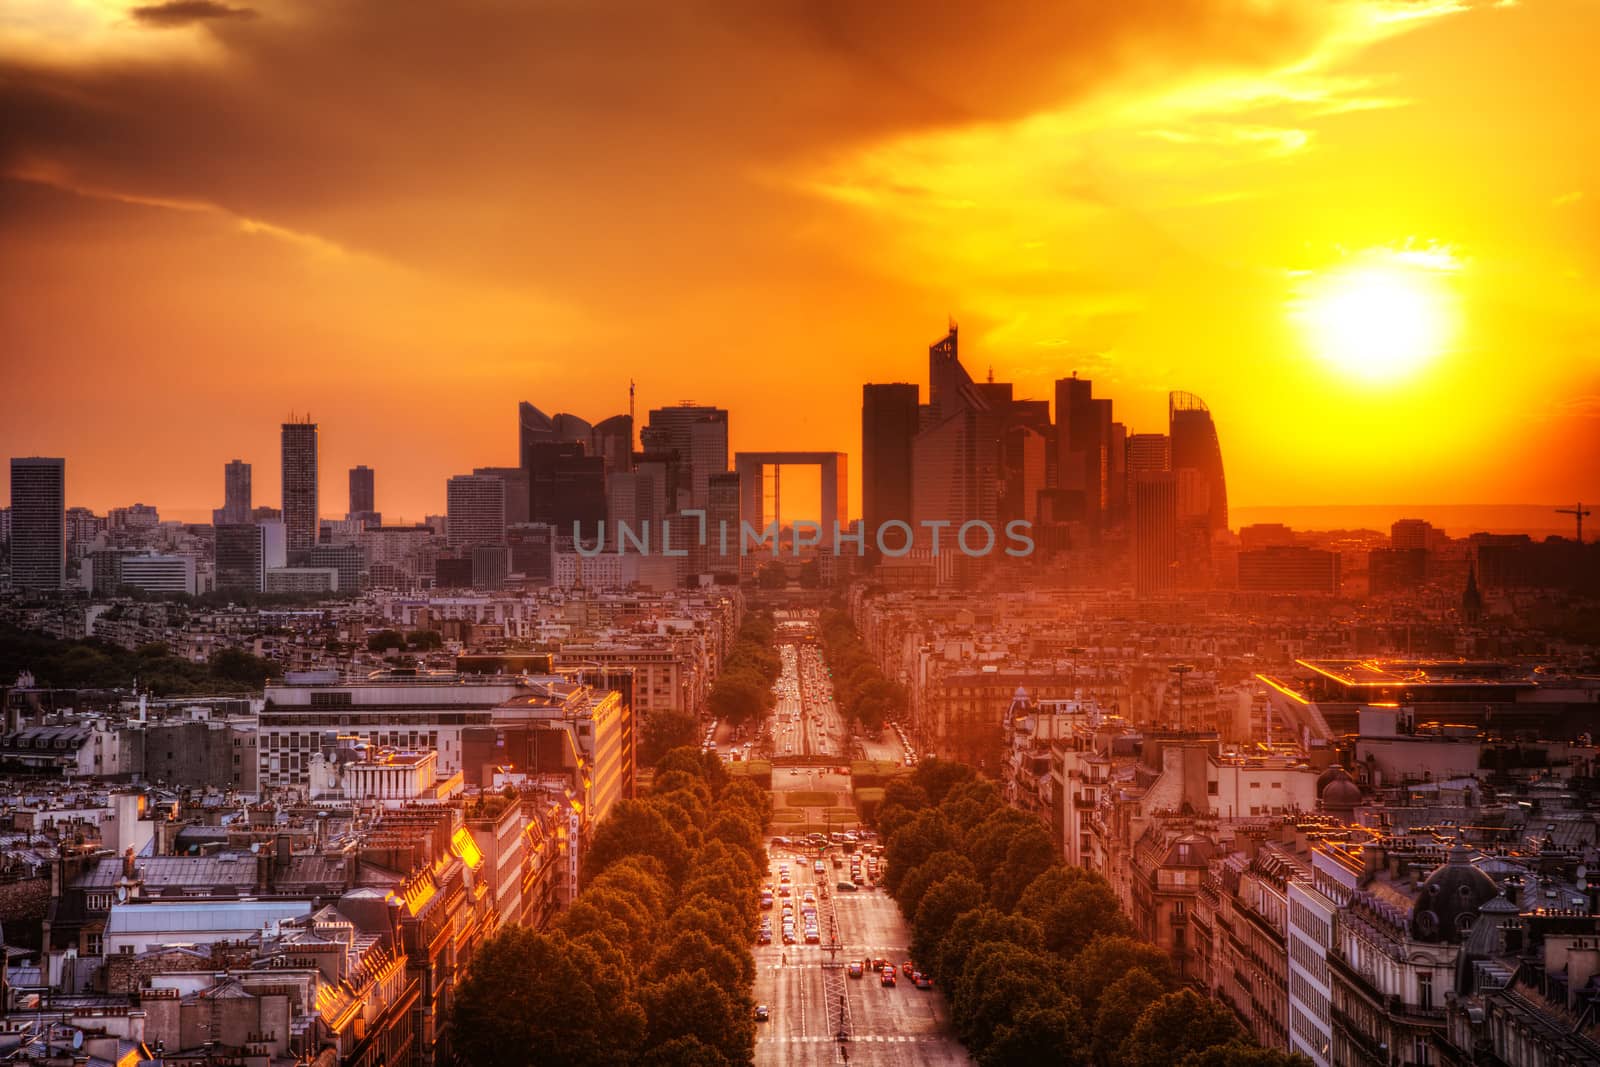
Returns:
<point x="1332" y="773"/>
<point x="1341" y="794"/>
<point x="1448" y="902"/>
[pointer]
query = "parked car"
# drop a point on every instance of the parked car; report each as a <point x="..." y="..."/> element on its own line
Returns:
<point x="763" y="1013"/>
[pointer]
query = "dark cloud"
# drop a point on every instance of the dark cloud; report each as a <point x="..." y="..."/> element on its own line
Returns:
<point x="589" y="141"/>
<point x="185" y="12"/>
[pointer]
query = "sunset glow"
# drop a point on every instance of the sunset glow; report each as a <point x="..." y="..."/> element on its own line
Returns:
<point x="1377" y="324"/>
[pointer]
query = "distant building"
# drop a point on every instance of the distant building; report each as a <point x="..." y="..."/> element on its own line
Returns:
<point x="1411" y="533"/>
<point x="348" y="559"/>
<point x="1195" y="447"/>
<point x="363" y="496"/>
<point x="1148" y="453"/>
<point x="476" y="505"/>
<point x="889" y="423"/>
<point x="1265" y="535"/>
<point x="299" y="442"/>
<point x="38" y="524"/>
<point x="241" y="558"/>
<point x="155" y="573"/>
<point x="1154" y="497"/>
<point x="236" y="495"/>
<point x="699" y="436"/>
<point x="1291" y="569"/>
<point x="312" y="580"/>
<point x="516" y="482"/>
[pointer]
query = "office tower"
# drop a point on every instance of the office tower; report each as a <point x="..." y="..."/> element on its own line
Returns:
<point x="1148" y="453"/>
<point x="347" y="559"/>
<point x="613" y="442"/>
<point x="1155" y="532"/>
<point x="1411" y="533"/>
<point x="488" y="566"/>
<point x="1289" y="569"/>
<point x="1083" y="438"/>
<point x="889" y="424"/>
<point x="1195" y="447"/>
<point x="1264" y="535"/>
<point x="565" y="486"/>
<point x="532" y="545"/>
<point x="722" y="525"/>
<point x="241" y="558"/>
<point x="1117" y="473"/>
<point x="572" y="429"/>
<point x="950" y="388"/>
<point x="38" y="524"/>
<point x="154" y="572"/>
<point x="699" y="436"/>
<point x="533" y="426"/>
<point x="516" y="480"/>
<point x="476" y="506"/>
<point x="361" y="493"/>
<point x="235" y="495"/>
<point x="1024" y="467"/>
<point x="300" y="486"/>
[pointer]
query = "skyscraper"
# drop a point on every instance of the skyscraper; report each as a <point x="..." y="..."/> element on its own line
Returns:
<point x="1195" y="447"/>
<point x="565" y="486"/>
<point x="361" y="492"/>
<point x="1083" y="438"/>
<point x="1148" y="453"/>
<point x="516" y="479"/>
<point x="241" y="558"/>
<point x="235" y="494"/>
<point x="1155" y="532"/>
<point x="532" y="425"/>
<point x="723" y="507"/>
<point x="888" y="432"/>
<point x="38" y="524"/>
<point x="300" y="519"/>
<point x="699" y="435"/>
<point x="476" y="506"/>
<point x="613" y="442"/>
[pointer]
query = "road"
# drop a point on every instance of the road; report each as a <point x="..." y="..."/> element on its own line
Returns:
<point x="806" y="987"/>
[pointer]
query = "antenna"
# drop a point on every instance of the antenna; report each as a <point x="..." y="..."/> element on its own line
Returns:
<point x="630" y="415"/>
<point x="1577" y="513"/>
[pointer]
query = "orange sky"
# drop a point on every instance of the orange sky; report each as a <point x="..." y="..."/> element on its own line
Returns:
<point x="404" y="218"/>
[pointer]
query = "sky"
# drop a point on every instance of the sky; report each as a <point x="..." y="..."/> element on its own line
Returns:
<point x="1367" y="233"/>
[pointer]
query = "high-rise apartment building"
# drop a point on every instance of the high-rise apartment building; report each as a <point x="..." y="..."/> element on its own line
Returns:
<point x="362" y="493"/>
<point x="236" y="495"/>
<point x="476" y="507"/>
<point x="1195" y="447"/>
<point x="1411" y="533"/>
<point x="245" y="552"/>
<point x="300" y="486"/>
<point x="889" y="424"/>
<point x="38" y="524"/>
<point x="516" y="479"/>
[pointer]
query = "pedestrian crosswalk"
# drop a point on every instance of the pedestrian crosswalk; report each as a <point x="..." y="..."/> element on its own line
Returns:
<point x="855" y="1039"/>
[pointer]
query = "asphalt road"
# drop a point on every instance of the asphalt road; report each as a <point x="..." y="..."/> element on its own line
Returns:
<point x="806" y="987"/>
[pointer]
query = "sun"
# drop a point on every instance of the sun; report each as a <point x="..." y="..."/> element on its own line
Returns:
<point x="1375" y="323"/>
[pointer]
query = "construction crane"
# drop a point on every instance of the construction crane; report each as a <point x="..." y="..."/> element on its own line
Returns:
<point x="1577" y="513"/>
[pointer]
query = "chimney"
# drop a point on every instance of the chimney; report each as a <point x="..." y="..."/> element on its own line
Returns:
<point x="127" y="864"/>
<point x="284" y="852"/>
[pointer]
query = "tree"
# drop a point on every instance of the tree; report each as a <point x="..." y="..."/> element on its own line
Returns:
<point x="1073" y="906"/>
<point x="942" y="904"/>
<point x="1104" y="960"/>
<point x="423" y="640"/>
<point x="636" y="827"/>
<point x="936" y="867"/>
<point x="531" y="998"/>
<point x="384" y="640"/>
<point x="1029" y="855"/>
<point x="237" y="665"/>
<point x="1037" y="1033"/>
<point x="1239" y="1054"/>
<point x="1120" y="1007"/>
<point x="980" y="926"/>
<point x="1176" y="1025"/>
<point x="737" y="697"/>
<point x="689" y="1005"/>
<point x="999" y="984"/>
<point x="937" y="777"/>
<point x="692" y="951"/>
<point x="925" y="834"/>
<point x="663" y="731"/>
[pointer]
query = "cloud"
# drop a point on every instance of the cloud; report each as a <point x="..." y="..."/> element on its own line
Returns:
<point x="186" y="12"/>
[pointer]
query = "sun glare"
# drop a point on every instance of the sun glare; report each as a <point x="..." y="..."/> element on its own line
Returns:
<point x="1375" y="323"/>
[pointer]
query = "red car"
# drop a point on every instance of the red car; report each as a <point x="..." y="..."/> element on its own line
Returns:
<point x="887" y="977"/>
<point x="906" y="969"/>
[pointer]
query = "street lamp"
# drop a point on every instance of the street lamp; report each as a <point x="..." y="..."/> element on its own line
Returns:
<point x="1180" y="669"/>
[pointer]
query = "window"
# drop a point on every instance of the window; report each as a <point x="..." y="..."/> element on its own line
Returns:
<point x="93" y="944"/>
<point x="1425" y="990"/>
<point x="1211" y="789"/>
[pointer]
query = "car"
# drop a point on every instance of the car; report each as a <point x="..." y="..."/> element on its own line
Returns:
<point x="848" y="887"/>
<point x="763" y="1013"/>
<point x="788" y="937"/>
<point x="921" y="981"/>
<point x="907" y="969"/>
<point x="886" y="977"/>
<point x="855" y="969"/>
<point x="764" y="937"/>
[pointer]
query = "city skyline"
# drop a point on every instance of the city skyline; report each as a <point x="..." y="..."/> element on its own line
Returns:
<point x="1308" y="214"/>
